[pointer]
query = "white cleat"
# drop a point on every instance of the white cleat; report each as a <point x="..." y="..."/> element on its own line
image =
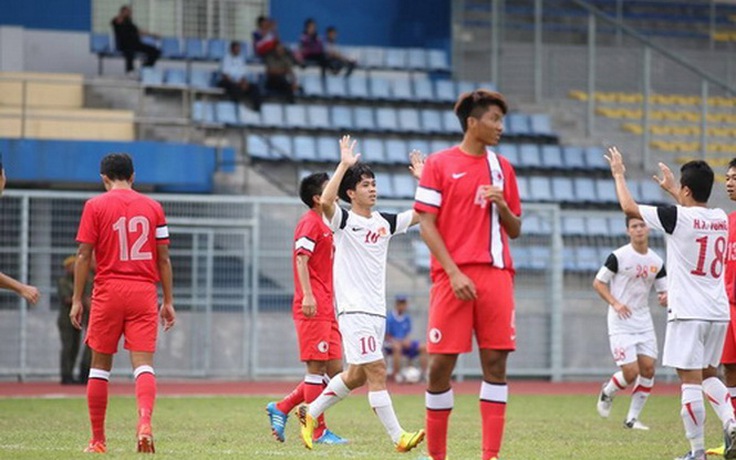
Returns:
<point x="604" y="403"/>
<point x="635" y="424"/>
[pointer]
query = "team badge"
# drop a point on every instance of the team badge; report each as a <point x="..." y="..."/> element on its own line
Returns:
<point x="435" y="335"/>
<point x="323" y="347"/>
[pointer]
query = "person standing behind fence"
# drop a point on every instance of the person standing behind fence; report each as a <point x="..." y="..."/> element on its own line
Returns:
<point x="70" y="335"/>
<point x="469" y="206"/>
<point x="28" y="292"/>
<point x="128" y="39"/>
<point x="128" y="233"/>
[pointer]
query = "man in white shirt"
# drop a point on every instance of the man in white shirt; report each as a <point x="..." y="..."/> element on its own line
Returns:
<point x="624" y="282"/>
<point x="698" y="312"/>
<point x="234" y="78"/>
<point x="361" y="249"/>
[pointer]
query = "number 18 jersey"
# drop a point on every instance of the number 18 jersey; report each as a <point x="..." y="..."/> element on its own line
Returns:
<point x="696" y="246"/>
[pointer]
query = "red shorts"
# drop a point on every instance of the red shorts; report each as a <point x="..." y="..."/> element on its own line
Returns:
<point x="319" y="339"/>
<point x="729" y="345"/>
<point x="123" y="307"/>
<point x="490" y="315"/>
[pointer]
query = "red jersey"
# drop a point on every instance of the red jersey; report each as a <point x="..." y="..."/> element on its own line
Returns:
<point x="730" y="275"/>
<point x="313" y="238"/>
<point x="124" y="227"/>
<point x="451" y="187"/>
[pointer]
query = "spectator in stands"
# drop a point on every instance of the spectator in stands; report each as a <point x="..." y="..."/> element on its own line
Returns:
<point x="70" y="335"/>
<point x="233" y="78"/>
<point x="311" y="48"/>
<point x="128" y="39"/>
<point x="265" y="37"/>
<point x="398" y="338"/>
<point x="280" y="76"/>
<point x="337" y="61"/>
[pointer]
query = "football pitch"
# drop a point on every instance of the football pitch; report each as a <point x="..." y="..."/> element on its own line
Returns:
<point x="538" y="427"/>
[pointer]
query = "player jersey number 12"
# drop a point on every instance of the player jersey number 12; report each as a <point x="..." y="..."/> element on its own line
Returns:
<point x="133" y="225"/>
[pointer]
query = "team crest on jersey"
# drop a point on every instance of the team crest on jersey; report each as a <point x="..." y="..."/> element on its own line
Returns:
<point x="382" y="231"/>
<point x="653" y="269"/>
<point x="435" y="335"/>
<point x="323" y="347"/>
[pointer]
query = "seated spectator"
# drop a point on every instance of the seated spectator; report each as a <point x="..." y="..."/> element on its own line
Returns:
<point x="280" y="76"/>
<point x="336" y="60"/>
<point x="128" y="39"/>
<point x="398" y="343"/>
<point x="233" y="78"/>
<point x="311" y="47"/>
<point x="265" y="37"/>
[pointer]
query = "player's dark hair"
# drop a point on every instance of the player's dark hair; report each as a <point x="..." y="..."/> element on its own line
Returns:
<point x="698" y="176"/>
<point x="352" y="178"/>
<point x="629" y="219"/>
<point x="732" y="164"/>
<point x="476" y="103"/>
<point x="117" y="166"/>
<point x="234" y="43"/>
<point x="311" y="186"/>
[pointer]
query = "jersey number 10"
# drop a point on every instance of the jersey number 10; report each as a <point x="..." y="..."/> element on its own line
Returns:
<point x="716" y="265"/>
<point x="133" y="226"/>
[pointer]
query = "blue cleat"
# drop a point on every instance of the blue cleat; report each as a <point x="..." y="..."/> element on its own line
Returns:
<point x="329" y="438"/>
<point x="278" y="421"/>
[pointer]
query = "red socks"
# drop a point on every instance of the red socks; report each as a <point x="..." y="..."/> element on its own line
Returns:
<point x="439" y="407"/>
<point x="97" y="389"/>
<point x="493" y="397"/>
<point x="145" y="393"/>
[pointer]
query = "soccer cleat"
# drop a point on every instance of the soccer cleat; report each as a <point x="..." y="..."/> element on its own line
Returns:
<point x="145" y="439"/>
<point x="604" y="403"/>
<point x="278" y="421"/>
<point x="729" y="441"/>
<point x="331" y="439"/>
<point x="409" y="440"/>
<point x="95" y="447"/>
<point x="699" y="455"/>
<point x="635" y="424"/>
<point x="716" y="450"/>
<point x="308" y="425"/>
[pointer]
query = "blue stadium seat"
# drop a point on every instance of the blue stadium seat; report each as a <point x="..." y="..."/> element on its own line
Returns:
<point x="594" y="159"/>
<point x="335" y="87"/>
<point x="588" y="259"/>
<point x="450" y="122"/>
<point x="529" y="156"/>
<point x="521" y="257"/>
<point x="203" y="112"/>
<point x="422" y="255"/>
<point x="534" y="224"/>
<point x="444" y="91"/>
<point x="373" y="150"/>
<point x="401" y="89"/>
<point x="516" y="124"/>
<point x="423" y="90"/>
<point x="437" y="60"/>
<point x="585" y="190"/>
<point x="540" y="188"/>
<point x="416" y="59"/>
<point x="384" y="185"/>
<point x="152" y="76"/>
<point x="651" y="193"/>
<point x="419" y="144"/>
<point x="552" y="157"/>
<point x="364" y="118"/>
<point x="305" y="149"/>
<point x="404" y="185"/>
<point x="358" y="88"/>
<point x="171" y="48"/>
<point x="100" y="43"/>
<point x="523" y="184"/>
<point x="194" y="49"/>
<point x="342" y="117"/>
<point x="574" y="158"/>
<point x="573" y="226"/>
<point x="371" y="57"/>
<point x="227" y="113"/>
<point x="606" y="190"/>
<point x="440" y="144"/>
<point x="296" y="116"/>
<point x="281" y="146"/>
<point x="563" y="190"/>
<point x="540" y="257"/>
<point x="200" y="79"/>
<point x="597" y="225"/>
<point x="380" y="88"/>
<point x="328" y="149"/>
<point x="397" y="151"/>
<point x="617" y="225"/>
<point x="409" y="120"/>
<point x="312" y="86"/>
<point x="258" y="147"/>
<point x="395" y="58"/>
<point x="248" y="117"/>
<point x="541" y="125"/>
<point x="569" y="259"/>
<point x="432" y="121"/>
<point x="272" y="115"/>
<point x="318" y="117"/>
<point x="386" y="119"/>
<point x="216" y="49"/>
<point x="509" y="151"/>
<point x="175" y="77"/>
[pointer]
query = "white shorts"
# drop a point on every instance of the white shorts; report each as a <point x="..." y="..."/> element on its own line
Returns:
<point x="362" y="337"/>
<point x="625" y="348"/>
<point x="692" y="344"/>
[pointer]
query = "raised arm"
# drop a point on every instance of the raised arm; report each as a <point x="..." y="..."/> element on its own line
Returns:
<point x="667" y="182"/>
<point x="416" y="166"/>
<point x="348" y="158"/>
<point x="618" y="171"/>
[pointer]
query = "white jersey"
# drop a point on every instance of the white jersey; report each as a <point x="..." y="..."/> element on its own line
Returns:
<point x="631" y="276"/>
<point x="361" y="251"/>
<point x="696" y="244"/>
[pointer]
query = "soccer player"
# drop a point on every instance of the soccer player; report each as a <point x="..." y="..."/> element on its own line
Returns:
<point x="128" y="235"/>
<point x="361" y="249"/>
<point x="624" y="282"/>
<point x="469" y="206"/>
<point x="313" y="311"/>
<point x="697" y="313"/>
<point x="28" y="292"/>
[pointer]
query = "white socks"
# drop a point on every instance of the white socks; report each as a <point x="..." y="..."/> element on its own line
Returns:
<point x="639" y="397"/>
<point x="719" y="399"/>
<point x="380" y="401"/>
<point x="335" y="392"/>
<point x="617" y="382"/>
<point x="693" y="415"/>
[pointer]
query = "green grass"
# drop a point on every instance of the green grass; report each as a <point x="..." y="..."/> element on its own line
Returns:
<point x="538" y="427"/>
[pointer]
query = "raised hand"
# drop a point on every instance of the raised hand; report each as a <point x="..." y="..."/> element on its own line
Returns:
<point x="416" y="158"/>
<point x="667" y="181"/>
<point x="616" y="161"/>
<point x="347" y="151"/>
